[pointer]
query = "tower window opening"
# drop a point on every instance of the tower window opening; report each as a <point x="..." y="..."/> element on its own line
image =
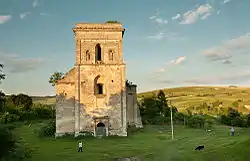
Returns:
<point x="99" y="88"/>
<point x="98" y="52"/>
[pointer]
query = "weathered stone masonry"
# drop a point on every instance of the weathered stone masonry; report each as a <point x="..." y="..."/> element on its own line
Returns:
<point x="94" y="93"/>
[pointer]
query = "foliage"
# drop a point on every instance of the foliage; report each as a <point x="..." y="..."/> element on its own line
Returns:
<point x="11" y="149"/>
<point x="235" y="118"/>
<point x="2" y="75"/>
<point x="20" y="107"/>
<point x="196" y="121"/>
<point x="155" y="109"/>
<point x="48" y="129"/>
<point x="55" y="77"/>
<point x="21" y="100"/>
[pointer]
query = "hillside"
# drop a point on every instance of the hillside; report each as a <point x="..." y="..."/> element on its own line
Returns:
<point x="183" y="97"/>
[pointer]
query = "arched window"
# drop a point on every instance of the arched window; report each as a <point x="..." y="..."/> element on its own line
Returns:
<point x="111" y="54"/>
<point x="87" y="55"/>
<point x="98" y="52"/>
<point x="98" y="86"/>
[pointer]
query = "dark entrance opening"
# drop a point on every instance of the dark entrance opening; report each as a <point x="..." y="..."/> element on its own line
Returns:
<point x="99" y="88"/>
<point x="98" y="52"/>
<point x="100" y="129"/>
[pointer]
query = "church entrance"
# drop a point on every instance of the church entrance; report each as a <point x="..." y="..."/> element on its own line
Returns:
<point x="100" y="129"/>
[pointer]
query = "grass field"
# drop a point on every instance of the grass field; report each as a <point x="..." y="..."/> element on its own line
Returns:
<point x="152" y="144"/>
<point x="184" y="97"/>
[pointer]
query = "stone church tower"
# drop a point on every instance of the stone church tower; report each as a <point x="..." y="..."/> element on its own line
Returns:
<point x="93" y="96"/>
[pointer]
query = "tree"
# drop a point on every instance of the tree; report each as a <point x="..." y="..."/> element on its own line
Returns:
<point x="162" y="104"/>
<point x="20" y="100"/>
<point x="55" y="77"/>
<point x="2" y="76"/>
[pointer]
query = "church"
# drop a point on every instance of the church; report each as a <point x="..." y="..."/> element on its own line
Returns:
<point x="94" y="95"/>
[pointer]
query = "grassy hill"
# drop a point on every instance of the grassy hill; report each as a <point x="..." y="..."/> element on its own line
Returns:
<point x="183" y="97"/>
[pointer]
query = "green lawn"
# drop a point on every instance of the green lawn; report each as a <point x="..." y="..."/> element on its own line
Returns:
<point x="153" y="144"/>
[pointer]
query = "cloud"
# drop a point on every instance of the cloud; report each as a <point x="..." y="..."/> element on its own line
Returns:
<point x="192" y="16"/>
<point x="206" y="16"/>
<point x="178" y="16"/>
<point x="44" y="14"/>
<point x="224" y="79"/>
<point x="218" y="12"/>
<point x="15" y="64"/>
<point x="23" y="15"/>
<point x="35" y="3"/>
<point x="172" y="63"/>
<point x="4" y="18"/>
<point x="158" y="36"/>
<point x="229" y="48"/>
<point x="161" y="21"/>
<point x="226" y="1"/>
<point x="178" y="60"/>
<point x="226" y="62"/>
<point x="170" y="36"/>
<point x="157" y="19"/>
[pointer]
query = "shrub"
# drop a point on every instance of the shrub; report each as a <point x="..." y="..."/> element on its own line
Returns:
<point x="48" y="129"/>
<point x="132" y="129"/>
<point x="196" y="121"/>
<point x="7" y="118"/>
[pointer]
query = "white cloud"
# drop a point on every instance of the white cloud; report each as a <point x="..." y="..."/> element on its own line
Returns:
<point x="178" y="60"/>
<point x="23" y="15"/>
<point x="4" y="18"/>
<point x="192" y="16"/>
<point x="218" y="12"/>
<point x="157" y="19"/>
<point x="158" y="36"/>
<point x="226" y="1"/>
<point x="161" y="21"/>
<point x="226" y="78"/>
<point x="44" y="14"/>
<point x="172" y="63"/>
<point x="170" y="36"/>
<point x="223" y="52"/>
<point x="178" y="16"/>
<point x="35" y="3"/>
<point x="16" y="64"/>
<point x="206" y="16"/>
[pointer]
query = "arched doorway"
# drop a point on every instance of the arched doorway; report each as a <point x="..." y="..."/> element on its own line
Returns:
<point x="100" y="129"/>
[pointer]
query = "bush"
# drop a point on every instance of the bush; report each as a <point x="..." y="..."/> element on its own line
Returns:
<point x="7" y="118"/>
<point x="48" y="129"/>
<point x="132" y="129"/>
<point x="11" y="149"/>
<point x="196" y="121"/>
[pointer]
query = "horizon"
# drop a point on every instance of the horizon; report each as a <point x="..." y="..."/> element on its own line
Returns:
<point x="190" y="86"/>
<point x="167" y="44"/>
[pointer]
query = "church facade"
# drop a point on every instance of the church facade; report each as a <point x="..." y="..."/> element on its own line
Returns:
<point x="94" y="96"/>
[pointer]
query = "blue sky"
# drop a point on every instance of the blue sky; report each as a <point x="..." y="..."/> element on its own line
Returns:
<point x="167" y="43"/>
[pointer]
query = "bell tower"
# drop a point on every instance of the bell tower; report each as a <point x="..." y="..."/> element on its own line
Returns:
<point x="100" y="77"/>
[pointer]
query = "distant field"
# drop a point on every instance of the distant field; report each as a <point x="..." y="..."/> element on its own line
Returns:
<point x="183" y="97"/>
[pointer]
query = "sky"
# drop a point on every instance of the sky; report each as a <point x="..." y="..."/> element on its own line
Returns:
<point x="167" y="43"/>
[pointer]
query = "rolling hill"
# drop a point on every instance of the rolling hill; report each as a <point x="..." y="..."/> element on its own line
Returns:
<point x="183" y="97"/>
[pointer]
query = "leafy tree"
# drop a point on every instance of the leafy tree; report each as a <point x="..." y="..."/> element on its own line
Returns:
<point x="7" y="142"/>
<point x="2" y="76"/>
<point x="20" y="100"/>
<point x="162" y="103"/>
<point x="55" y="77"/>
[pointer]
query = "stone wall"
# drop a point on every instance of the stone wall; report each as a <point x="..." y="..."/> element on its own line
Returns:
<point x="133" y="112"/>
<point x="65" y="109"/>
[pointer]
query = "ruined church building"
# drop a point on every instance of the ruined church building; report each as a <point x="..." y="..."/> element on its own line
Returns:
<point x="94" y="96"/>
